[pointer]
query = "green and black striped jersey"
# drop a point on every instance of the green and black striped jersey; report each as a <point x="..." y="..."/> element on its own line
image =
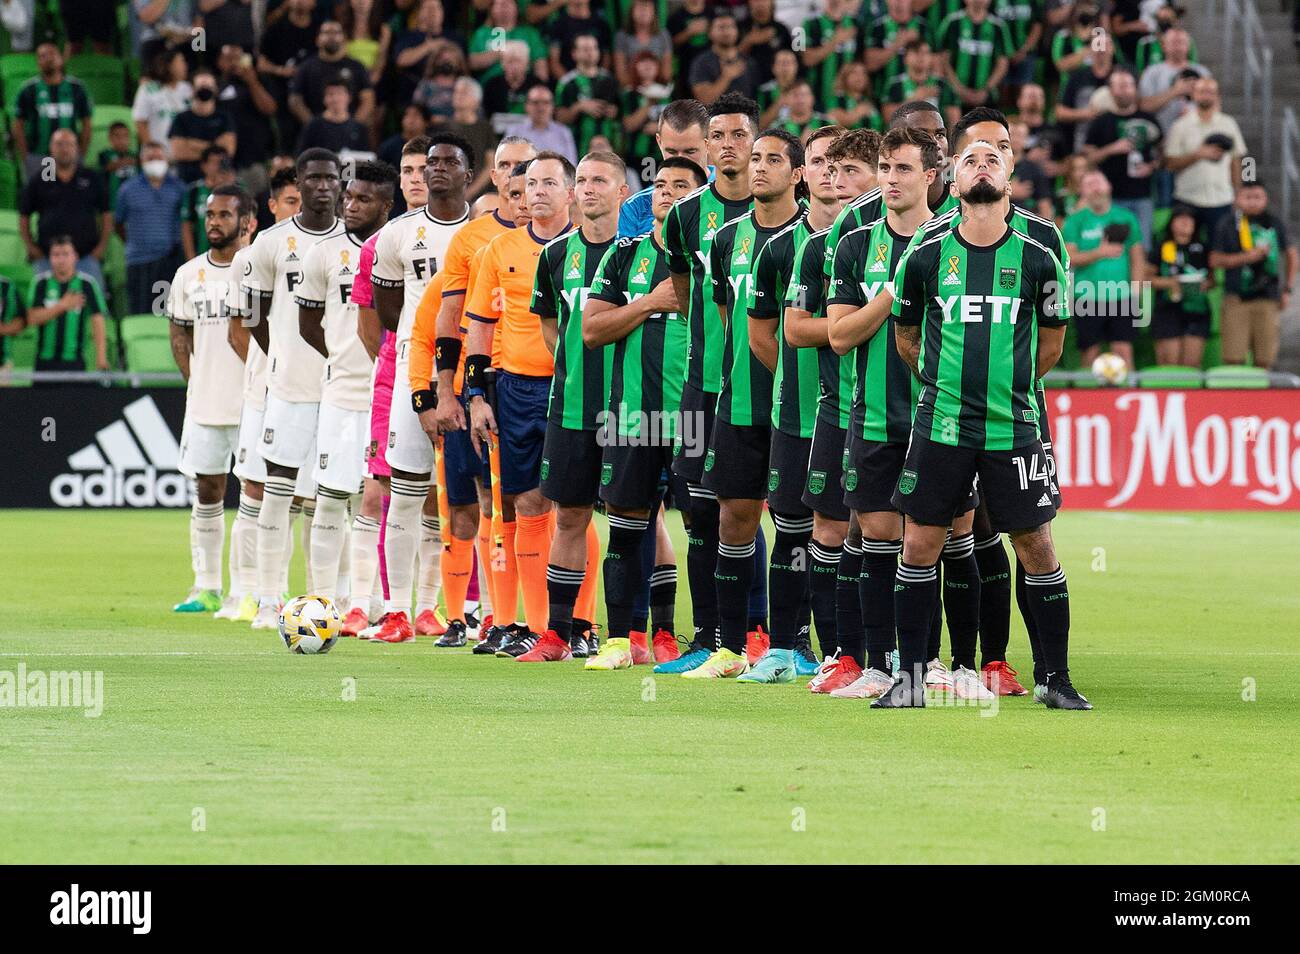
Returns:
<point x="807" y="292"/>
<point x="194" y="210"/>
<point x="574" y="87"/>
<point x="886" y="390"/>
<point x="11" y="310"/>
<point x="43" y="108"/>
<point x="1020" y="17"/>
<point x="60" y="342"/>
<point x="746" y="396"/>
<point x="864" y="210"/>
<point x="818" y="32"/>
<point x="902" y="88"/>
<point x="650" y="363"/>
<point x="936" y="13"/>
<point x="979" y="309"/>
<point x="880" y="35"/>
<point x="973" y="48"/>
<point x="794" y="384"/>
<point x="692" y="223"/>
<point x="565" y="269"/>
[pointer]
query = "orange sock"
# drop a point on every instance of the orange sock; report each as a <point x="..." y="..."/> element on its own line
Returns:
<point x="585" y="608"/>
<point x="505" y="598"/>
<point x="457" y="564"/>
<point x="532" y="550"/>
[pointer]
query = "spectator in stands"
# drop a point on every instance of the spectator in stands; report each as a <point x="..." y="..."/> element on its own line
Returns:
<point x="799" y="117"/>
<point x="1072" y="46"/>
<point x="642" y="103"/>
<point x="689" y="28"/>
<point x="1106" y="255"/>
<point x="217" y="171"/>
<point x="414" y="49"/>
<point x="771" y="95"/>
<point x="1125" y="145"/>
<point x="368" y="36"/>
<point x="761" y="37"/>
<point x="13" y="317"/>
<point x="289" y="40"/>
<point x="922" y="78"/>
<point x="1030" y="186"/>
<point x="119" y="161"/>
<point x="161" y="22"/>
<point x="851" y="106"/>
<point x="507" y="92"/>
<point x="1204" y="150"/>
<point x="586" y="99"/>
<point x="829" y="41"/>
<point x="1026" y="32"/>
<point x="148" y="219"/>
<point x="1260" y="263"/>
<point x="1073" y="170"/>
<point x="644" y="33"/>
<point x="330" y="62"/>
<point x="540" y="127"/>
<point x="1127" y="26"/>
<point x="1151" y="48"/>
<point x="200" y="126"/>
<point x="281" y="193"/>
<point x="162" y="96"/>
<point x="1076" y="108"/>
<point x="467" y="122"/>
<point x="721" y="69"/>
<point x="74" y="201"/>
<point x="887" y="39"/>
<point x="48" y="101"/>
<point x="1031" y="110"/>
<point x="435" y="90"/>
<point x="1166" y="86"/>
<point x="577" y="19"/>
<point x="250" y="107"/>
<point x="414" y="122"/>
<point x="1178" y="269"/>
<point x="977" y="53"/>
<point x="89" y="20"/>
<point x="18" y="17"/>
<point x="335" y="129"/>
<point x="488" y="43"/>
<point x="63" y="303"/>
<point x="227" y="22"/>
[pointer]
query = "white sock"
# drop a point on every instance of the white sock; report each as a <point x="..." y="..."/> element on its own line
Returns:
<point x="308" y="517"/>
<point x="401" y="537"/>
<point x="327" y="537"/>
<point x="426" y="591"/>
<point x="246" y="532"/>
<point x="295" y="511"/>
<point x="273" y="539"/>
<point x="232" y="561"/>
<point x="343" y="590"/>
<point x="208" y="531"/>
<point x="484" y="591"/>
<point x="365" y="561"/>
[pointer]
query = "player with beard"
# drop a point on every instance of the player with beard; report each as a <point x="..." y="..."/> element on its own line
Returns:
<point x="989" y="295"/>
<point x="327" y="318"/>
<point x="794" y="412"/>
<point x="740" y="446"/>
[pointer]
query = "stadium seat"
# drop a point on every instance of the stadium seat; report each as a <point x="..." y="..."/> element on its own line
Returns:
<point x="10" y="184"/>
<point x="13" y="252"/>
<point x="100" y="120"/>
<point x="15" y="70"/>
<point x="1236" y="376"/>
<point x="103" y="76"/>
<point x="1170" y="376"/>
<point x="146" y="344"/>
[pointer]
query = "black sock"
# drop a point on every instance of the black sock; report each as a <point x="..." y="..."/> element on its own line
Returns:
<point x="1031" y="627"/>
<point x="622" y="571"/>
<point x="788" y="576"/>
<point x="961" y="598"/>
<point x="663" y="597"/>
<point x="823" y="566"/>
<point x="848" y="608"/>
<point x="933" y="644"/>
<point x="995" y="598"/>
<point x="733" y="576"/>
<point x="701" y="561"/>
<point x="916" y="590"/>
<point x="1049" y="601"/>
<point x="641" y="603"/>
<point x="876" y="594"/>
<point x="758" y="589"/>
<point x="562" y="587"/>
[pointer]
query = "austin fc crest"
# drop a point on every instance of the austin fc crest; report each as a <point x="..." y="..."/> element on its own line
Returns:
<point x="816" y="482"/>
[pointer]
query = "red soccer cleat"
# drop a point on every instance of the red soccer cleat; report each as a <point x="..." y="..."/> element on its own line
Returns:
<point x="396" y="628"/>
<point x="1001" y="679"/>
<point x="354" y="622"/>
<point x="756" y="644"/>
<point x="549" y="648"/>
<point x="484" y="626"/>
<point x="428" y="624"/>
<point x="640" y="649"/>
<point x="665" y="646"/>
<point x="846" y="672"/>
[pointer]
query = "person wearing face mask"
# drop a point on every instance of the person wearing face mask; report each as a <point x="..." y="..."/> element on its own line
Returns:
<point x="414" y="49"/>
<point x="148" y="217"/>
<point x="200" y="126"/>
<point x="331" y="63"/>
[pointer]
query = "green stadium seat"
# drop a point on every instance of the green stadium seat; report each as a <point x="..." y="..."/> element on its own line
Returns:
<point x="100" y="120"/>
<point x="15" y="70"/>
<point x="146" y="344"/>
<point x="103" y="76"/>
<point x="10" y="184"/>
<point x="1236" y="376"/>
<point x="13" y="252"/>
<point x="1169" y="376"/>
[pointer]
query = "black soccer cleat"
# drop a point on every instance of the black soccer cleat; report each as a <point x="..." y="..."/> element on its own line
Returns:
<point x="580" y="647"/>
<point x="806" y="661"/>
<point x="455" y="637"/>
<point x="517" y="643"/>
<point x="902" y="695"/>
<point x="1060" y="694"/>
<point x="490" y="645"/>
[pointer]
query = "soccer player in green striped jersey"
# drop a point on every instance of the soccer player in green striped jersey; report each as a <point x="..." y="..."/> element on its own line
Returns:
<point x="830" y="41"/>
<point x="920" y="78"/>
<point x="633" y="309"/>
<point x="977" y="47"/>
<point x="888" y="37"/>
<point x="885" y="393"/>
<point x="570" y="471"/>
<point x="689" y="231"/>
<point x="735" y="468"/>
<point x="980" y="313"/>
<point x="794" y="410"/>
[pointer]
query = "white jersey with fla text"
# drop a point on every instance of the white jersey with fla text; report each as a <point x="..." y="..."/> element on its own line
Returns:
<point x="411" y="248"/>
<point x="327" y="277"/>
<point x="199" y="299"/>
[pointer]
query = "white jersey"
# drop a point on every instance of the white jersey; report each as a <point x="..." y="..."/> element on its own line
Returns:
<point x="274" y="265"/>
<point x="327" y="276"/>
<point x="411" y="248"/>
<point x="255" y="362"/>
<point x="199" y="299"/>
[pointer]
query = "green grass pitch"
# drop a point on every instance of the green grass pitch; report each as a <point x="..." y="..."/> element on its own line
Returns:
<point x="216" y="745"/>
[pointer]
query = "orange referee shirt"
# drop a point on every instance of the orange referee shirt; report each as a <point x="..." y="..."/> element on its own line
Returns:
<point x="423" y="334"/>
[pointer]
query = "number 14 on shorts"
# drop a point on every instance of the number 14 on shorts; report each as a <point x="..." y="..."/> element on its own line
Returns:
<point x="1034" y="466"/>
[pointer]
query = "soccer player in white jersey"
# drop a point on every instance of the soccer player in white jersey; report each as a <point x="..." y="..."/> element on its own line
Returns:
<point x="409" y="251"/>
<point x="327" y="318"/>
<point x="197" y="310"/>
<point x="272" y="275"/>
<point x="285" y="201"/>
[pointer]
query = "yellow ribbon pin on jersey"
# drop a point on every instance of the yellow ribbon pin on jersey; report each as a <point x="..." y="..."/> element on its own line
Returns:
<point x="953" y="262"/>
<point x="643" y="267"/>
<point x="881" y="251"/>
<point x="712" y="221"/>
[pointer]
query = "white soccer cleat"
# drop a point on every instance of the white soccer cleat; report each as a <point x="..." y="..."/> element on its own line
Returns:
<point x="937" y="676"/>
<point x="824" y="671"/>
<point x="268" y="617"/>
<point x="870" y="685"/>
<point x="229" y="608"/>
<point x="967" y="684"/>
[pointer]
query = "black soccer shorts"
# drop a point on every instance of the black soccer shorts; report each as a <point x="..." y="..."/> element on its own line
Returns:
<point x="736" y="465"/>
<point x="823" y="491"/>
<point x="786" y="471"/>
<point x="570" y="469"/>
<point x="871" y="476"/>
<point x="698" y="409"/>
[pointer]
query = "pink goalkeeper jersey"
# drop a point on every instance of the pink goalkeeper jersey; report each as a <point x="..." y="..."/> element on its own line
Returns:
<point x="363" y="295"/>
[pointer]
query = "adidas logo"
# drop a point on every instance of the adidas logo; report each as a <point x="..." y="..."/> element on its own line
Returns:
<point x="1044" y="501"/>
<point x="877" y="267"/>
<point x="573" y="273"/>
<point x="133" y="462"/>
<point x="952" y="280"/>
<point x="638" y="279"/>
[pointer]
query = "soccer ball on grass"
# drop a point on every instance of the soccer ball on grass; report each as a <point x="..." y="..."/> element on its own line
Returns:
<point x="310" y="625"/>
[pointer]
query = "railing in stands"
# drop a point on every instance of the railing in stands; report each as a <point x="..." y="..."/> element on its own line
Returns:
<point x="1290" y="153"/>
<point x="105" y="378"/>
<point x="1251" y="63"/>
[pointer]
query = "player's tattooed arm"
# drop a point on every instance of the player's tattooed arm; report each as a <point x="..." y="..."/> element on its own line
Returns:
<point x="311" y="327"/>
<point x="182" y="341"/>
<point x="258" y="324"/>
<point x="907" y="338"/>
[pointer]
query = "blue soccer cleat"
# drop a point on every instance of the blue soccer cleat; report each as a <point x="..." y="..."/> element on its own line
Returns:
<point x="695" y="656"/>
<point x="776" y="666"/>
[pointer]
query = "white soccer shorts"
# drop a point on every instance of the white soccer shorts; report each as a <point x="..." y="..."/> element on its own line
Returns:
<point x="341" y="439"/>
<point x="409" y="448"/>
<point x="248" y="457"/>
<point x="289" y="432"/>
<point x="208" y="448"/>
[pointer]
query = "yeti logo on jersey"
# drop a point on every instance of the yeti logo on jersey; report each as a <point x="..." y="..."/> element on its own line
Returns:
<point x="268" y="435"/>
<point x="575" y="298"/>
<point x="954" y="274"/>
<point x="740" y="285"/>
<point x="871" y="289"/>
<point x="816" y="482"/>
<point x="972" y="308"/>
<point x="881" y="263"/>
<point x="907" y="482"/>
<point x="773" y="479"/>
<point x="1007" y="278"/>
